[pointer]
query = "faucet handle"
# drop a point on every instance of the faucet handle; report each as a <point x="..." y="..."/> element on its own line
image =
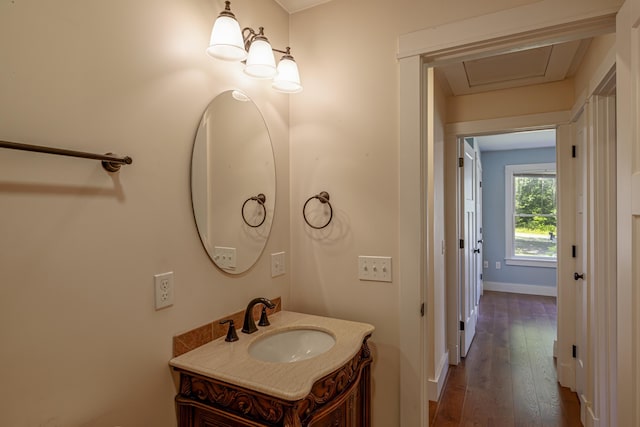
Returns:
<point x="264" y="320"/>
<point x="231" y="332"/>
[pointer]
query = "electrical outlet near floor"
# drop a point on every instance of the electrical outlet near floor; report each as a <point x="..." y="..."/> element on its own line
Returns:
<point x="375" y="268"/>
<point x="164" y="289"/>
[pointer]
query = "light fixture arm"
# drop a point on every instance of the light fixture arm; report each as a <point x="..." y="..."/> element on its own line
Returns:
<point x="249" y="35"/>
<point x="286" y="52"/>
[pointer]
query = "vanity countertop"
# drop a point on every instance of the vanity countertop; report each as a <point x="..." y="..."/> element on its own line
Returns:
<point x="230" y="361"/>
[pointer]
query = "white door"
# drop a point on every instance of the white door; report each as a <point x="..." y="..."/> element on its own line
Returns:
<point x="628" y="213"/>
<point x="479" y="239"/>
<point x="581" y="246"/>
<point x="469" y="300"/>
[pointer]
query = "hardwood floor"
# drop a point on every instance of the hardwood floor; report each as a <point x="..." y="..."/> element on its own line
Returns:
<point x="509" y="376"/>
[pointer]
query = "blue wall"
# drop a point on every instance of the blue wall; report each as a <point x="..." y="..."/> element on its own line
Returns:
<point x="493" y="217"/>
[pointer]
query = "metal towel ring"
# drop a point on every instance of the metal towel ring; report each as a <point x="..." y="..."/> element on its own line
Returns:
<point x="260" y="199"/>
<point x="324" y="198"/>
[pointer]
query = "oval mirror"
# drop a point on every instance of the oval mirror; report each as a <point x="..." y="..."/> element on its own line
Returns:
<point x="233" y="182"/>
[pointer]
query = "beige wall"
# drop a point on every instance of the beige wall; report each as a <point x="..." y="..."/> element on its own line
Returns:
<point x="344" y="139"/>
<point x="81" y="342"/>
<point x="542" y="98"/>
<point x="595" y="55"/>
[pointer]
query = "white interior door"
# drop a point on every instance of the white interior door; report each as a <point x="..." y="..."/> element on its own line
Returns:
<point x="628" y="212"/>
<point x="580" y="278"/>
<point x="479" y="239"/>
<point x="469" y="302"/>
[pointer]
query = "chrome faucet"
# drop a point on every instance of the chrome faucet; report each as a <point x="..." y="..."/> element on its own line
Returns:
<point x="249" y="325"/>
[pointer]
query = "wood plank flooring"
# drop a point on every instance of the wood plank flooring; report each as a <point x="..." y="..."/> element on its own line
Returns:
<point x="509" y="376"/>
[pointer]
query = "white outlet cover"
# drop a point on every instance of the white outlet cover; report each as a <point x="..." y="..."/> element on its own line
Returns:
<point x="164" y="293"/>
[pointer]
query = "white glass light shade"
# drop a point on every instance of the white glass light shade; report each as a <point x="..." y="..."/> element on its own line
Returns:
<point x="288" y="78"/>
<point x="226" y="40"/>
<point x="261" y="63"/>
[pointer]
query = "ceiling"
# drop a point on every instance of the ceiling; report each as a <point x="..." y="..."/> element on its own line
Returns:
<point x="293" y="6"/>
<point x="521" y="68"/>
<point x="517" y="140"/>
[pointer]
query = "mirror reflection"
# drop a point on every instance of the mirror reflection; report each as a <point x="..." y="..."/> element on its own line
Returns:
<point x="233" y="182"/>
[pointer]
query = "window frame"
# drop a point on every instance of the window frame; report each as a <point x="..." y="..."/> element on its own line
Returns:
<point x="510" y="257"/>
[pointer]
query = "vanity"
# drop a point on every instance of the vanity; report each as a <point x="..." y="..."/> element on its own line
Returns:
<point x="302" y="370"/>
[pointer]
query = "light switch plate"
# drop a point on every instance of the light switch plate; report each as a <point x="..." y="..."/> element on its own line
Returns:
<point x="374" y="268"/>
<point x="224" y="257"/>
<point x="278" y="266"/>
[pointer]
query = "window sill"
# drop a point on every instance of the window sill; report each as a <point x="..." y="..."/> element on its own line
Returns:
<point x="527" y="262"/>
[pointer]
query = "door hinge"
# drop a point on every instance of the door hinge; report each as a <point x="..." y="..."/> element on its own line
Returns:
<point x="461" y="243"/>
<point x="480" y="276"/>
<point x="461" y="325"/>
<point x="574" y="351"/>
<point x="460" y="162"/>
<point x="480" y="184"/>
<point x="573" y="151"/>
<point x="574" y="251"/>
<point x="422" y="310"/>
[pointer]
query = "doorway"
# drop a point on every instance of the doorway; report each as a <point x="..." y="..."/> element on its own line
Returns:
<point x="488" y="34"/>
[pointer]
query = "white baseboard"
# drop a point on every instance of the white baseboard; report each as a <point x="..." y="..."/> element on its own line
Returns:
<point x="518" y="288"/>
<point x="567" y="375"/>
<point x="436" y="384"/>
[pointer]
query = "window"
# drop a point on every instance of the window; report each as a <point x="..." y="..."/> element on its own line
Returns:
<point x="531" y="215"/>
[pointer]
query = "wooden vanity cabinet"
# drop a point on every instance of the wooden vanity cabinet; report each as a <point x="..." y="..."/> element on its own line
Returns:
<point x="340" y="399"/>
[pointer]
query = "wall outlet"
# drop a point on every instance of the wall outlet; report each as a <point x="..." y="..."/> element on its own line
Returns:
<point x="486" y="264"/>
<point x="375" y="268"/>
<point x="278" y="266"/>
<point x="164" y="289"/>
<point x="498" y="265"/>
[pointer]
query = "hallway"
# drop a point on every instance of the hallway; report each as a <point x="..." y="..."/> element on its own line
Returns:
<point x="509" y="376"/>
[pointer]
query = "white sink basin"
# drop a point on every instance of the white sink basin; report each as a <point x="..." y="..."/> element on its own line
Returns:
<point x="291" y="345"/>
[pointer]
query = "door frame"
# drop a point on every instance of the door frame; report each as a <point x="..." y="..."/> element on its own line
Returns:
<point x="509" y="30"/>
<point x="454" y="132"/>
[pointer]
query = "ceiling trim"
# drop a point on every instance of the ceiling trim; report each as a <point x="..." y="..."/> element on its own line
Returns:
<point x="517" y="29"/>
<point x="293" y="6"/>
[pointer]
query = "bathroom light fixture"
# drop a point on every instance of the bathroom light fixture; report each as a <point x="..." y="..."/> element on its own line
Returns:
<point x="261" y="63"/>
<point x="230" y="44"/>
<point x="226" y="38"/>
<point x="288" y="78"/>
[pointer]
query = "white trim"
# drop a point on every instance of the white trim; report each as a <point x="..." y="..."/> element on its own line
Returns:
<point x="628" y="142"/>
<point x="565" y="174"/>
<point x="411" y="225"/>
<point x="473" y="128"/>
<point x="436" y="384"/>
<point x="508" y="30"/>
<point x="520" y="288"/>
<point x="509" y="124"/>
<point x="523" y="262"/>
<point x="509" y="245"/>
